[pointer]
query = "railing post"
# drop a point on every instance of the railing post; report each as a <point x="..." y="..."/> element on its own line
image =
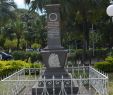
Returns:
<point x="35" y="74"/>
<point x="73" y="71"/>
<point x="53" y="85"/>
<point x="84" y="71"/>
<point x="67" y="68"/>
<point x="71" y="85"/>
<point x="78" y="69"/>
<point x="62" y="87"/>
<point x="89" y="86"/>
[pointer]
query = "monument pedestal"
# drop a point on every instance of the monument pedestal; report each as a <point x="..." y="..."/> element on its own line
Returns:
<point x="54" y="58"/>
<point x="36" y="90"/>
<point x="58" y="73"/>
<point x="60" y="84"/>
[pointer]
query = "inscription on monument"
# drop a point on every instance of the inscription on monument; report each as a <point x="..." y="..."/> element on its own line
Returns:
<point x="53" y="25"/>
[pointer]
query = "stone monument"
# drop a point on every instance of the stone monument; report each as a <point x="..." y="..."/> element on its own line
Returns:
<point x="54" y="55"/>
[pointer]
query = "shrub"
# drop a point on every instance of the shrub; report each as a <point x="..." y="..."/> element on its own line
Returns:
<point x="98" y="53"/>
<point x="35" y="46"/>
<point x="7" y="67"/>
<point x="19" y="55"/>
<point x="22" y="55"/>
<point x="10" y="44"/>
<point x="106" y="66"/>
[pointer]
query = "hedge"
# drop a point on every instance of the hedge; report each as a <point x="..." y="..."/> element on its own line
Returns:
<point x="7" y="67"/>
<point x="23" y="55"/>
<point x="106" y="66"/>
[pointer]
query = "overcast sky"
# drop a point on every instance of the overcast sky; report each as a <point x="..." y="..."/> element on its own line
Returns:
<point x="20" y="3"/>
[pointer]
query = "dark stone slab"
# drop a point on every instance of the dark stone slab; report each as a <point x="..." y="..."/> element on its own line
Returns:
<point x="53" y="26"/>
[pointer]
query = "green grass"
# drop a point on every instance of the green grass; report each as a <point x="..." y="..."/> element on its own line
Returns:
<point x="110" y="88"/>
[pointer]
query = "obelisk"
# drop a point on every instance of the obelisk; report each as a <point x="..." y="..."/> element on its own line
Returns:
<point x="54" y="55"/>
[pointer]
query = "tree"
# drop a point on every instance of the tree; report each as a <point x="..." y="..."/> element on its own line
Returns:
<point x="18" y="29"/>
<point x="6" y="11"/>
<point x="76" y="16"/>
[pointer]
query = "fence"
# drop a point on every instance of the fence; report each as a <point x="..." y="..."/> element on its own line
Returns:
<point x="88" y="80"/>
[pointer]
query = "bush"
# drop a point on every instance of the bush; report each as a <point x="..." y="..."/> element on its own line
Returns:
<point x="35" y="46"/>
<point x="22" y="55"/>
<point x="7" y="67"/>
<point x="106" y="66"/>
<point x="10" y="44"/>
<point x="99" y="53"/>
<point x="19" y="55"/>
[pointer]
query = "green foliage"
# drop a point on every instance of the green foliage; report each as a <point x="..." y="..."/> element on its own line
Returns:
<point x="5" y="11"/>
<point x="109" y="59"/>
<point x="23" y="44"/>
<point x="7" y="67"/>
<point x="35" y="46"/>
<point x="98" y="53"/>
<point x="106" y="66"/>
<point x="10" y="44"/>
<point x="22" y="55"/>
<point x="36" y="65"/>
<point x="71" y="57"/>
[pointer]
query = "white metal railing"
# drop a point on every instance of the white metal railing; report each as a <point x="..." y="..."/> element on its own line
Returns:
<point x="88" y="80"/>
<point x="100" y="82"/>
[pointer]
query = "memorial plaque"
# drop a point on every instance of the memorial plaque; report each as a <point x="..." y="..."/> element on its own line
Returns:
<point x="53" y="25"/>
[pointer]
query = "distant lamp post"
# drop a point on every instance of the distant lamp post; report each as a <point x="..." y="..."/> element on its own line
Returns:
<point x="109" y="9"/>
<point x="92" y="31"/>
<point x="109" y="12"/>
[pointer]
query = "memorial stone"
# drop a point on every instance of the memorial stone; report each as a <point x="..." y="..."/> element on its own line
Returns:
<point x="54" y="55"/>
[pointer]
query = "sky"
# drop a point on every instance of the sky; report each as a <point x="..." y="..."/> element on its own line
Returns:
<point x="20" y="3"/>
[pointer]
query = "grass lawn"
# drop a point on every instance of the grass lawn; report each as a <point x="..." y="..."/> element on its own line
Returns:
<point x="110" y="84"/>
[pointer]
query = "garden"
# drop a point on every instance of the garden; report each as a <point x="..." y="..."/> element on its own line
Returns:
<point x="86" y="32"/>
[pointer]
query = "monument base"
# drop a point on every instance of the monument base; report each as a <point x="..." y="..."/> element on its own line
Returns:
<point x="58" y="73"/>
<point x="57" y="91"/>
<point x="60" y="83"/>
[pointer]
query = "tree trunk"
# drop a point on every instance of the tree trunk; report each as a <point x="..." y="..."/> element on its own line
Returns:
<point x="18" y="43"/>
